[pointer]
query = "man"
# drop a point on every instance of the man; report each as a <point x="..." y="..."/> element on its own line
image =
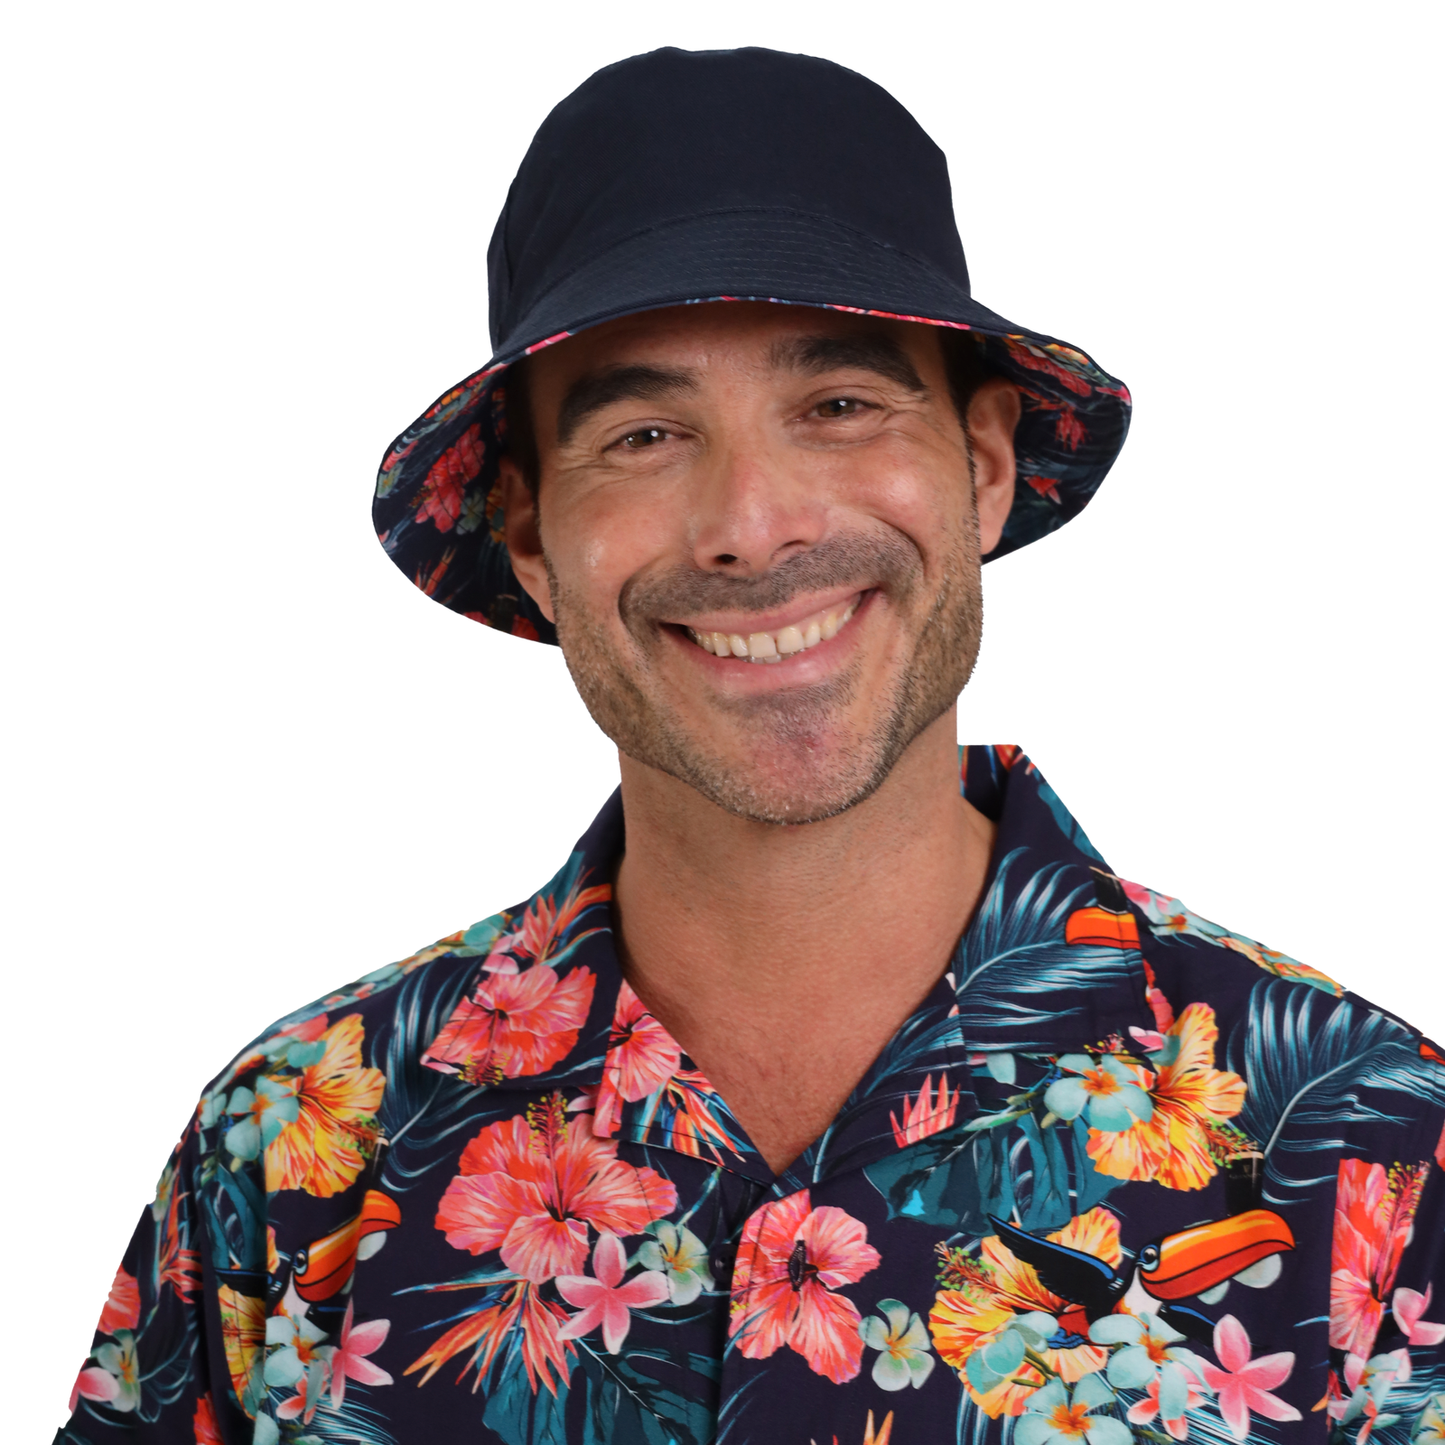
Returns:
<point x="816" y="1097"/>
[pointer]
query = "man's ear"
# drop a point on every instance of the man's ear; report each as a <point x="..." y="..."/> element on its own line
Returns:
<point x="993" y="415"/>
<point x="523" y="532"/>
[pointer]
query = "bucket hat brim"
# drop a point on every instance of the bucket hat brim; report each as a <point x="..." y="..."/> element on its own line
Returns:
<point x="438" y="510"/>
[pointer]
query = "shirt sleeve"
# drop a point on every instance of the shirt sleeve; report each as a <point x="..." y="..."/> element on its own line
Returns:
<point x="180" y="1337"/>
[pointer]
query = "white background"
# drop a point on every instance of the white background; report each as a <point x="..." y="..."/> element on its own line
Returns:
<point x="247" y="761"/>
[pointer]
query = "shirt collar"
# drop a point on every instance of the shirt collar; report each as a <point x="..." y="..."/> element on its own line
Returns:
<point x="1050" y="963"/>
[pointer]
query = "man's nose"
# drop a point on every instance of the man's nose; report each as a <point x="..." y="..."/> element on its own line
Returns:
<point x="754" y="509"/>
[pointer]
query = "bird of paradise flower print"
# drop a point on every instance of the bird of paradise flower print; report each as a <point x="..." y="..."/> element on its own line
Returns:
<point x="1123" y="1176"/>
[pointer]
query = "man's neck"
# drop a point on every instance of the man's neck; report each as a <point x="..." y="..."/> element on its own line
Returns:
<point x="782" y="959"/>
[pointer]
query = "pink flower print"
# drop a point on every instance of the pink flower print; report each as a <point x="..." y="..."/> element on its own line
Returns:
<point x="791" y="1259"/>
<point x="1374" y="1209"/>
<point x="122" y="1308"/>
<point x="1244" y="1384"/>
<point x="530" y="1185"/>
<point x="348" y="1359"/>
<point x="1408" y="1306"/>
<point x="93" y="1383"/>
<point x="514" y="1024"/>
<point x="928" y="1114"/>
<point x="1147" y="1408"/>
<point x="1369" y="1382"/>
<point x="641" y="1057"/>
<point x="604" y="1299"/>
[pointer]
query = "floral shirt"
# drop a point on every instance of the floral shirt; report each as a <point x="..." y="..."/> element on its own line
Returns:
<point x="1125" y="1175"/>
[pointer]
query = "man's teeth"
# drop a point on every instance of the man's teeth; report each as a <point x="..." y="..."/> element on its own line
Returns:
<point x="775" y="646"/>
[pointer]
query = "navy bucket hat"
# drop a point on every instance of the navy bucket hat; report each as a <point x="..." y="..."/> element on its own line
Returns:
<point x="708" y="176"/>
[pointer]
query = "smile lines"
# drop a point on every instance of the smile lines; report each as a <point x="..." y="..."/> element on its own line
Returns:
<point x="775" y="646"/>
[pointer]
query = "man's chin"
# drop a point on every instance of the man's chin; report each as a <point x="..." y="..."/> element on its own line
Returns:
<point x="783" y="793"/>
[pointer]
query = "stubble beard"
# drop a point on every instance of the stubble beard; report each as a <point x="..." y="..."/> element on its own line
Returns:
<point x="802" y="782"/>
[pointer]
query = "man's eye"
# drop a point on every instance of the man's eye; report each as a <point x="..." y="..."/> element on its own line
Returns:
<point x="839" y="406"/>
<point x="648" y="436"/>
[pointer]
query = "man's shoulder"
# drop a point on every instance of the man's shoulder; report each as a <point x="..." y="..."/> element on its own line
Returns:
<point x="1170" y="921"/>
<point x="336" y="1029"/>
<point x="1277" y="1019"/>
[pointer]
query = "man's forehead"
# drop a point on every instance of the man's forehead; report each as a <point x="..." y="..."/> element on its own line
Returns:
<point x="697" y="338"/>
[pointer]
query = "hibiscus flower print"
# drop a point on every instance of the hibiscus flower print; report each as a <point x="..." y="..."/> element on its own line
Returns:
<point x="530" y="1185"/>
<point x="514" y="1024"/>
<point x="325" y="1147"/>
<point x="122" y="1308"/>
<point x="791" y="1261"/>
<point x="544" y="934"/>
<point x="984" y="1297"/>
<point x="1191" y="1099"/>
<point x="641" y="1057"/>
<point x="1374" y="1209"/>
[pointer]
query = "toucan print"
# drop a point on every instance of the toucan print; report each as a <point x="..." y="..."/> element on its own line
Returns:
<point x="325" y="1266"/>
<point x="1192" y="1262"/>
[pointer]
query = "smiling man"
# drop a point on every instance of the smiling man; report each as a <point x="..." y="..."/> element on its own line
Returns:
<point x="835" y="1087"/>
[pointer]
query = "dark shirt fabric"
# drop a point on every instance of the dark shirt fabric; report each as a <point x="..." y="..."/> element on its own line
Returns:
<point x="1124" y="1175"/>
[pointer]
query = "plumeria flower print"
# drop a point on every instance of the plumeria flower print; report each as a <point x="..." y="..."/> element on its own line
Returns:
<point x="261" y="1114"/>
<point x="605" y="1300"/>
<point x="1105" y="1091"/>
<point x="1054" y="1416"/>
<point x="682" y="1257"/>
<point x="118" y="1359"/>
<point x="1369" y="1383"/>
<point x="1431" y="1426"/>
<point x="1145" y="1410"/>
<point x="1244" y="1384"/>
<point x="348" y="1361"/>
<point x="1151" y="1352"/>
<point x="94" y="1383"/>
<point x="905" y="1355"/>
<point x="292" y="1341"/>
<point x="1408" y="1307"/>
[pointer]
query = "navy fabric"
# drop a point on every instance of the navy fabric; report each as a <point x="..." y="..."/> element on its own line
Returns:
<point x="680" y="177"/>
<point x="1124" y="1177"/>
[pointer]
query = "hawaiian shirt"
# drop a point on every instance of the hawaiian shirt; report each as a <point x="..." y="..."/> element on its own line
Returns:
<point x="1124" y="1176"/>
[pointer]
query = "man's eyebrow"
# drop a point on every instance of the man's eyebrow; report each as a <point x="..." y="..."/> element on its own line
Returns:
<point x="813" y="355"/>
<point x="590" y="393"/>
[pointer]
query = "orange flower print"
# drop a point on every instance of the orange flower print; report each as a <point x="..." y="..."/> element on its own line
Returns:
<point x="1373" y="1213"/>
<point x="544" y="925"/>
<point x="514" y="1024"/>
<point x="985" y="1298"/>
<point x="791" y="1259"/>
<point x="930" y="1113"/>
<point x="122" y="1308"/>
<point x="325" y="1147"/>
<point x="530" y="1186"/>
<point x="1190" y="1098"/>
<point x="204" y="1423"/>
<point x="538" y="1323"/>
<point x="642" y="1056"/>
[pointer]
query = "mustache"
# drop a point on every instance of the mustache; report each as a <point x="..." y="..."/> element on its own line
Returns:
<point x="888" y="560"/>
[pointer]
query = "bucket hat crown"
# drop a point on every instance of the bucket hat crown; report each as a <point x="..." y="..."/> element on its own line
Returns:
<point x="691" y="176"/>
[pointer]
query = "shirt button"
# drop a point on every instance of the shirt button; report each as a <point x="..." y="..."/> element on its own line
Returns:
<point x="722" y="1260"/>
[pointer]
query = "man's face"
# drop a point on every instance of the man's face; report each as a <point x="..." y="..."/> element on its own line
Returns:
<point x="758" y="530"/>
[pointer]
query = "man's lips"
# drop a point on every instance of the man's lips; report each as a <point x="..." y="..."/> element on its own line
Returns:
<point x="782" y="639"/>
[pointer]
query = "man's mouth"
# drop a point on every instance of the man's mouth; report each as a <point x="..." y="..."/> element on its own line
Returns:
<point x="775" y="646"/>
